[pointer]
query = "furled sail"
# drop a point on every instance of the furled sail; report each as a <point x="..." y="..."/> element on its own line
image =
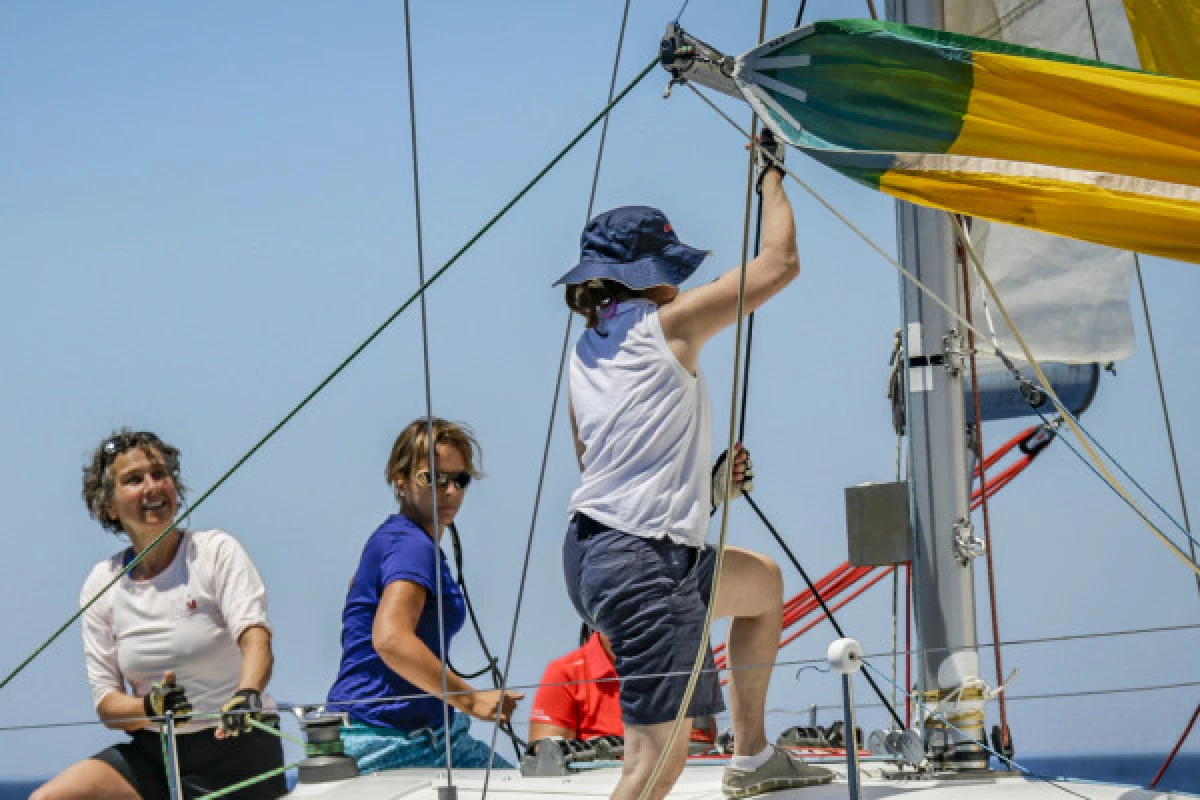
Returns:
<point x="1013" y="134"/>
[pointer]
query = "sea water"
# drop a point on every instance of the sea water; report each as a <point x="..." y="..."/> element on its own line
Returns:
<point x="1133" y="770"/>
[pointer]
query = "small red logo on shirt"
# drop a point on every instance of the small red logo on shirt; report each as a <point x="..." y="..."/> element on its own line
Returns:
<point x="191" y="604"/>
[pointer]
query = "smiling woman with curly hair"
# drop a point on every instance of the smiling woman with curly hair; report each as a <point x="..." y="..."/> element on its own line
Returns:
<point x="185" y="631"/>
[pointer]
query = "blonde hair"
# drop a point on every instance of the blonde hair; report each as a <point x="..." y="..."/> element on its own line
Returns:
<point x="411" y="447"/>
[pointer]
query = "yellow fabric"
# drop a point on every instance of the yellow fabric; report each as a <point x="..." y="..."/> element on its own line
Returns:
<point x="1082" y="117"/>
<point x="1162" y="226"/>
<point x="1167" y="35"/>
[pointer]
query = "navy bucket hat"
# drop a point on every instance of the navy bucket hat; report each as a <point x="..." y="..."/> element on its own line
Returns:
<point x="634" y="246"/>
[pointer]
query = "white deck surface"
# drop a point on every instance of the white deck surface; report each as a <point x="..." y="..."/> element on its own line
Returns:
<point x="703" y="782"/>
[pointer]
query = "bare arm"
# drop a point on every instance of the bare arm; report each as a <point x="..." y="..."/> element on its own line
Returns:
<point x="117" y="708"/>
<point x="395" y="639"/>
<point x="544" y="730"/>
<point x="579" y="448"/>
<point x="700" y="313"/>
<point x="257" y="660"/>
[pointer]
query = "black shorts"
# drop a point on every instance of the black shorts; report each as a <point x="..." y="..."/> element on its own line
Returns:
<point x="649" y="597"/>
<point x="206" y="764"/>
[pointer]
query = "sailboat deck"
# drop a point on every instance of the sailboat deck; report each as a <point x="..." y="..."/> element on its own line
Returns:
<point x="703" y="782"/>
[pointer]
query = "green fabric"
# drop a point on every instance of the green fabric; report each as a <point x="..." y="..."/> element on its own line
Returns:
<point x="882" y="85"/>
<point x="874" y="92"/>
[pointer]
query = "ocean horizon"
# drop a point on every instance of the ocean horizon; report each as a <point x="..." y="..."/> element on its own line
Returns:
<point x="1136" y="769"/>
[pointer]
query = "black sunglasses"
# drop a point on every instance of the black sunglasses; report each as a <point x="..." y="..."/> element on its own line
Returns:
<point x="460" y="479"/>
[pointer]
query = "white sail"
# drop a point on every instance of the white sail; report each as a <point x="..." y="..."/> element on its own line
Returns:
<point x="1069" y="299"/>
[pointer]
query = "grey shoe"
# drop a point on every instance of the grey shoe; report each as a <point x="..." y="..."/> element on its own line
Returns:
<point x="780" y="772"/>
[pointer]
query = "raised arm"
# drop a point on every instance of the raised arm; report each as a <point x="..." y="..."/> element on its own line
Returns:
<point x="394" y="635"/>
<point x="698" y="314"/>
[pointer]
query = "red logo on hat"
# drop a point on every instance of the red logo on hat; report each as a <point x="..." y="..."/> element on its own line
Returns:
<point x="666" y="227"/>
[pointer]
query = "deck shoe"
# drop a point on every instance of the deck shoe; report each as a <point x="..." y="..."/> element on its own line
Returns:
<point x="780" y="771"/>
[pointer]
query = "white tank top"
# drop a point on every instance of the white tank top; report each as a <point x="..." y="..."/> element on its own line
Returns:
<point x="646" y="427"/>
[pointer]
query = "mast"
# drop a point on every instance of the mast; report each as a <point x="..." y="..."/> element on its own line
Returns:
<point x="944" y="544"/>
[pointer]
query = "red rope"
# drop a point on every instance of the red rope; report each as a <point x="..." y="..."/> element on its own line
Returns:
<point x="1178" y="745"/>
<point x="721" y="662"/>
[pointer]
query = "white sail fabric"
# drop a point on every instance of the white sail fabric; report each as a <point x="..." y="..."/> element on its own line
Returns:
<point x="1070" y="299"/>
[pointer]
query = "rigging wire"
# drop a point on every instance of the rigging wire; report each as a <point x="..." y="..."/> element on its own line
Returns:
<point x="430" y="440"/>
<point x="562" y="362"/>
<point x="977" y="430"/>
<point x="1067" y="415"/>
<point x="1162" y="393"/>
<point x="270" y="434"/>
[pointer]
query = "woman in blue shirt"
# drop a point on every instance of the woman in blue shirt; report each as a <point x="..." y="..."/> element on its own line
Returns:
<point x="391" y="677"/>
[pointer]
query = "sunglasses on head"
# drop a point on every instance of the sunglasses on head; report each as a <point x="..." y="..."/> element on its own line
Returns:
<point x="122" y="442"/>
<point x="460" y="479"/>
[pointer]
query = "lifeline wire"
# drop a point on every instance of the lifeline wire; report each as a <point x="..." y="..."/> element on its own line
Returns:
<point x="342" y="366"/>
<point x="216" y="713"/>
<point x="430" y="441"/>
<point x="562" y="361"/>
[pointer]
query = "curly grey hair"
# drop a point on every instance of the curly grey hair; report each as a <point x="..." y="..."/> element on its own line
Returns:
<point x="98" y="479"/>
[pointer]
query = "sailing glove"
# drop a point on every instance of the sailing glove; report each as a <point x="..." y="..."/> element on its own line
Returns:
<point x="719" y="479"/>
<point x="246" y="704"/>
<point x="167" y="696"/>
<point x="770" y="153"/>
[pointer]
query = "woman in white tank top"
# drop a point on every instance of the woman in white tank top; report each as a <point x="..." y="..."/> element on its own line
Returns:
<point x="635" y="559"/>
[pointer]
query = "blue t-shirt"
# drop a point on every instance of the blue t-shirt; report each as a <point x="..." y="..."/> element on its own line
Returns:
<point x="398" y="551"/>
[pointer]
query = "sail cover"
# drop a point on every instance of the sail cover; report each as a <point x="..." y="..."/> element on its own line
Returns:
<point x="1013" y="134"/>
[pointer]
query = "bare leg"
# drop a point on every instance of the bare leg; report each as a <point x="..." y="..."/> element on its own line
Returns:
<point x="89" y="779"/>
<point x="751" y="591"/>
<point x="643" y="746"/>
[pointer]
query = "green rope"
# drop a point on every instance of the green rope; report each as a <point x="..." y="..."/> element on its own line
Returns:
<point x="249" y="781"/>
<point x="340" y="367"/>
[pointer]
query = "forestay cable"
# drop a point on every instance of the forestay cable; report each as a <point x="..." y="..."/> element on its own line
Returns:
<point x="562" y="361"/>
<point x="491" y="223"/>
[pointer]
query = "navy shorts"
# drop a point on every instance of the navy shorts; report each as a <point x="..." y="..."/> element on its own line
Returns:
<point x="649" y="597"/>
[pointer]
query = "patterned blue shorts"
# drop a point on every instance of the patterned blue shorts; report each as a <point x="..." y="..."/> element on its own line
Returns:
<point x="386" y="748"/>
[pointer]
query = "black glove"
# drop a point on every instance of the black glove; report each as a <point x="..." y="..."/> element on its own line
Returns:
<point x="770" y="152"/>
<point x="166" y="696"/>
<point x="246" y="704"/>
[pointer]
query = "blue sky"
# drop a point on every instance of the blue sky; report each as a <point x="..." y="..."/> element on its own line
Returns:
<point x="206" y="207"/>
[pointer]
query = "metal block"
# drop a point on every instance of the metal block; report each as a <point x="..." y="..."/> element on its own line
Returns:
<point x="878" y="529"/>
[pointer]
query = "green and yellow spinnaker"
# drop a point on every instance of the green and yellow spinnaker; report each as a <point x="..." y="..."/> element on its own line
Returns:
<point x="1029" y="137"/>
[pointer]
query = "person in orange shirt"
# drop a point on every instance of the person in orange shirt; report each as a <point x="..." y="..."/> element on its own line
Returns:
<point x="580" y="697"/>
